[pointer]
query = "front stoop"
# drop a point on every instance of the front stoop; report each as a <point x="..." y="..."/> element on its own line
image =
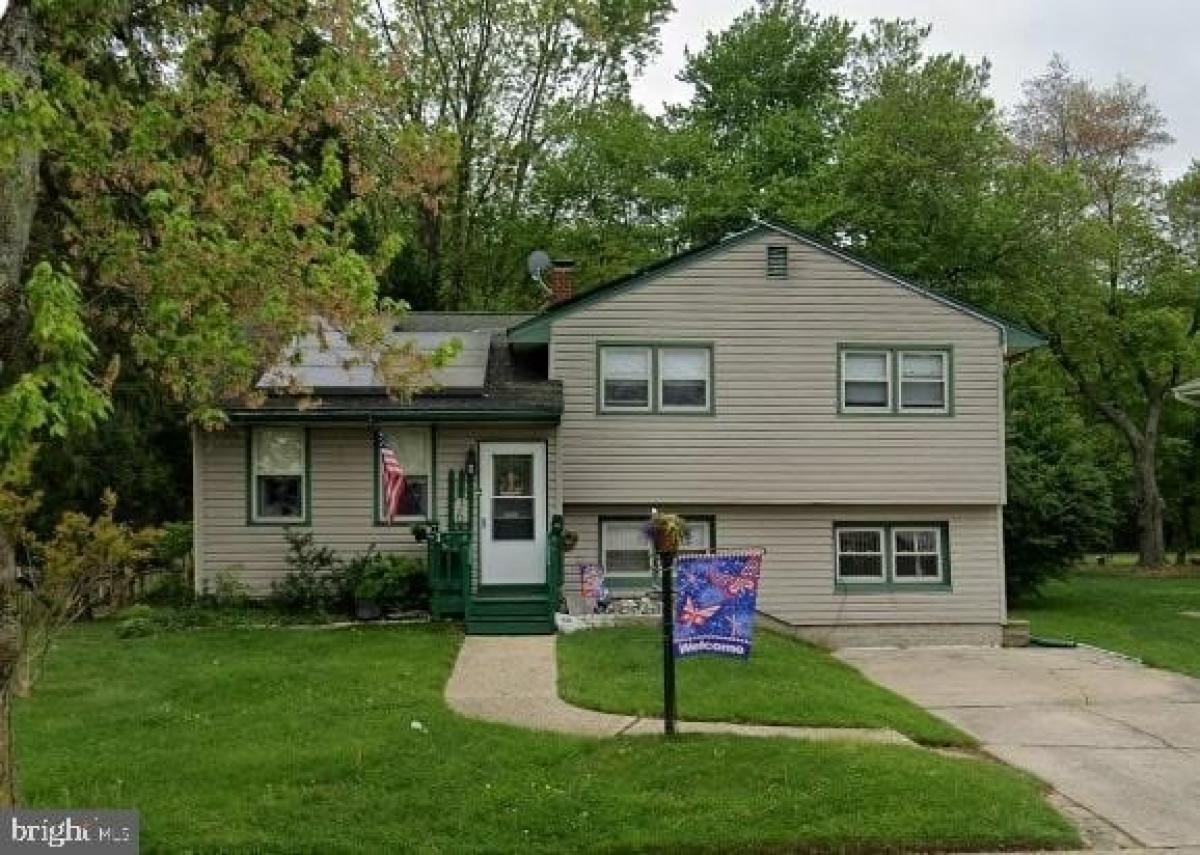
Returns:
<point x="510" y="610"/>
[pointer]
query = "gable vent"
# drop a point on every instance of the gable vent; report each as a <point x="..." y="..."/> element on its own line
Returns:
<point x="777" y="262"/>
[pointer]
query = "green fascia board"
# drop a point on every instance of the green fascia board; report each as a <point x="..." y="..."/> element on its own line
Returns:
<point x="536" y="330"/>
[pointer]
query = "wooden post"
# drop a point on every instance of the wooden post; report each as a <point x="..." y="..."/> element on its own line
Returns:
<point x="667" y="560"/>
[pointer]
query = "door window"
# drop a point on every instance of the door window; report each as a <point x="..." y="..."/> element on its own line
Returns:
<point x="512" y="497"/>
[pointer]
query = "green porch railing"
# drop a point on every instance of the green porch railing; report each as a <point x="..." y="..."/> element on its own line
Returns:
<point x="450" y="552"/>
<point x="554" y="565"/>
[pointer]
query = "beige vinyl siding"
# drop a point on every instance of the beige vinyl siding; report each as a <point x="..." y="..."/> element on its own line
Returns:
<point x="341" y="480"/>
<point x="776" y="435"/>
<point x="798" y="569"/>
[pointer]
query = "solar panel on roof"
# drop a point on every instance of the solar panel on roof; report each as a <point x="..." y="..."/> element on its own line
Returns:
<point x="331" y="362"/>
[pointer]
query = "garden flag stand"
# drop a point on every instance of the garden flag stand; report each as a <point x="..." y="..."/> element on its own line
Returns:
<point x="711" y="612"/>
<point x="666" y="561"/>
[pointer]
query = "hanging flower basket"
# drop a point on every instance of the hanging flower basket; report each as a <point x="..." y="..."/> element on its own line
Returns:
<point x="667" y="532"/>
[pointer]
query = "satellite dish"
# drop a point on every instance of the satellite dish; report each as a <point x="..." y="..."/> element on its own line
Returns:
<point x="538" y="263"/>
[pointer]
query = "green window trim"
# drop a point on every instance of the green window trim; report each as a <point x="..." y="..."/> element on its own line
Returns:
<point x="655" y="407"/>
<point x="252" y="518"/>
<point x="895" y="353"/>
<point x="377" y="518"/>
<point x="889" y="583"/>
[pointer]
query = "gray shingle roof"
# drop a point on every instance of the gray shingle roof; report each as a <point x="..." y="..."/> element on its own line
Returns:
<point x="513" y="387"/>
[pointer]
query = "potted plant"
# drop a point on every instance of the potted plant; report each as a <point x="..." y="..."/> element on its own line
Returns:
<point x="667" y="532"/>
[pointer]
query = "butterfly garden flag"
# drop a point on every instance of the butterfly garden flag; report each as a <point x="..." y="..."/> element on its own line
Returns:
<point x="715" y="602"/>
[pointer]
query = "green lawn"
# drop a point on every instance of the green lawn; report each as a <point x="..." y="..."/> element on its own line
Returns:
<point x="302" y="741"/>
<point x="785" y="681"/>
<point x="1137" y="615"/>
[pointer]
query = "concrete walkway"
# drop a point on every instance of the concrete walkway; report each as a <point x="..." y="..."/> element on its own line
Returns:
<point x="1118" y="738"/>
<point x="514" y="680"/>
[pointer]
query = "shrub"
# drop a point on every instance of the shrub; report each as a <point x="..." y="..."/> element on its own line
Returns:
<point x="391" y="581"/>
<point x="309" y="585"/>
<point x="170" y="589"/>
<point x="227" y="590"/>
<point x="98" y="560"/>
<point x="136" y="627"/>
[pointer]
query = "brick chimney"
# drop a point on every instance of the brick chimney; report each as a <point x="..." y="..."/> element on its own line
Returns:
<point x="562" y="280"/>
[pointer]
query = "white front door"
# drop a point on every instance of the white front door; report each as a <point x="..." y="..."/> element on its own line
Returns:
<point x="512" y="513"/>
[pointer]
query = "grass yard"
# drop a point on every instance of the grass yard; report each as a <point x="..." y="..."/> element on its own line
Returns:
<point x="785" y="681"/>
<point x="1140" y="616"/>
<point x="289" y="740"/>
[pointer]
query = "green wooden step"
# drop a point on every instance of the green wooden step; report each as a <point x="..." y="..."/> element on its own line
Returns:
<point x="544" y="626"/>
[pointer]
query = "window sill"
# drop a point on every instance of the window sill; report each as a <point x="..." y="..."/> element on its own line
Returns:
<point x="403" y="521"/>
<point x="849" y="588"/>
<point x="297" y="521"/>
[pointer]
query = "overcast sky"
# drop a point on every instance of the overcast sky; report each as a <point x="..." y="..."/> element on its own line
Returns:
<point x="1148" y="41"/>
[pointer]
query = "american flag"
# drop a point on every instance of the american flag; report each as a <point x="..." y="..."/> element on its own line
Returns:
<point x="393" y="477"/>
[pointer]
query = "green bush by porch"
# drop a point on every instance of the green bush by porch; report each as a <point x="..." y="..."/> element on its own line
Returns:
<point x="294" y="740"/>
<point x="785" y="681"/>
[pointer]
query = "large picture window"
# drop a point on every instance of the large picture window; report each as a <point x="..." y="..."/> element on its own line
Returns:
<point x="413" y="447"/>
<point x="892" y="554"/>
<point x="278" y="475"/>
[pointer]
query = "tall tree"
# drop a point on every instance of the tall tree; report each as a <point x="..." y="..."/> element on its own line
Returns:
<point x="492" y="73"/>
<point x="768" y="100"/>
<point x="1116" y="286"/>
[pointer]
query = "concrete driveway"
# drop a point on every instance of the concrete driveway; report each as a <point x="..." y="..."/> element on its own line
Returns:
<point x="1120" y="739"/>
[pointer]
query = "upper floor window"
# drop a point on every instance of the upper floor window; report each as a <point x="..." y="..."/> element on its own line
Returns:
<point x="278" y="475"/>
<point x="655" y="378"/>
<point x="683" y="378"/>
<point x="625" y="373"/>
<point x="895" y="379"/>
<point x="866" y="379"/>
<point x="413" y="447"/>
<point x="923" y="381"/>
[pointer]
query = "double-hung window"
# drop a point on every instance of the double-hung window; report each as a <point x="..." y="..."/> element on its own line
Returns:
<point x="278" y="475"/>
<point x="866" y="380"/>
<point x="655" y="378"/>
<point x="894" y="379"/>
<point x="626" y="373"/>
<point x="860" y="555"/>
<point x="413" y="447"/>
<point x="891" y="554"/>
<point x="683" y="379"/>
<point x="923" y="381"/>
<point x="916" y="554"/>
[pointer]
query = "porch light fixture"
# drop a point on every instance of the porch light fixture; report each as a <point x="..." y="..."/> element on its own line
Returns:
<point x="471" y="462"/>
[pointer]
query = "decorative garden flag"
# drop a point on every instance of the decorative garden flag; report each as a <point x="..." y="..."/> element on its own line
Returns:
<point x="714" y="603"/>
<point x="592" y="584"/>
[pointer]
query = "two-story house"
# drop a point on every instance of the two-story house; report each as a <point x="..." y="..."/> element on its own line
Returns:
<point x="771" y="389"/>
